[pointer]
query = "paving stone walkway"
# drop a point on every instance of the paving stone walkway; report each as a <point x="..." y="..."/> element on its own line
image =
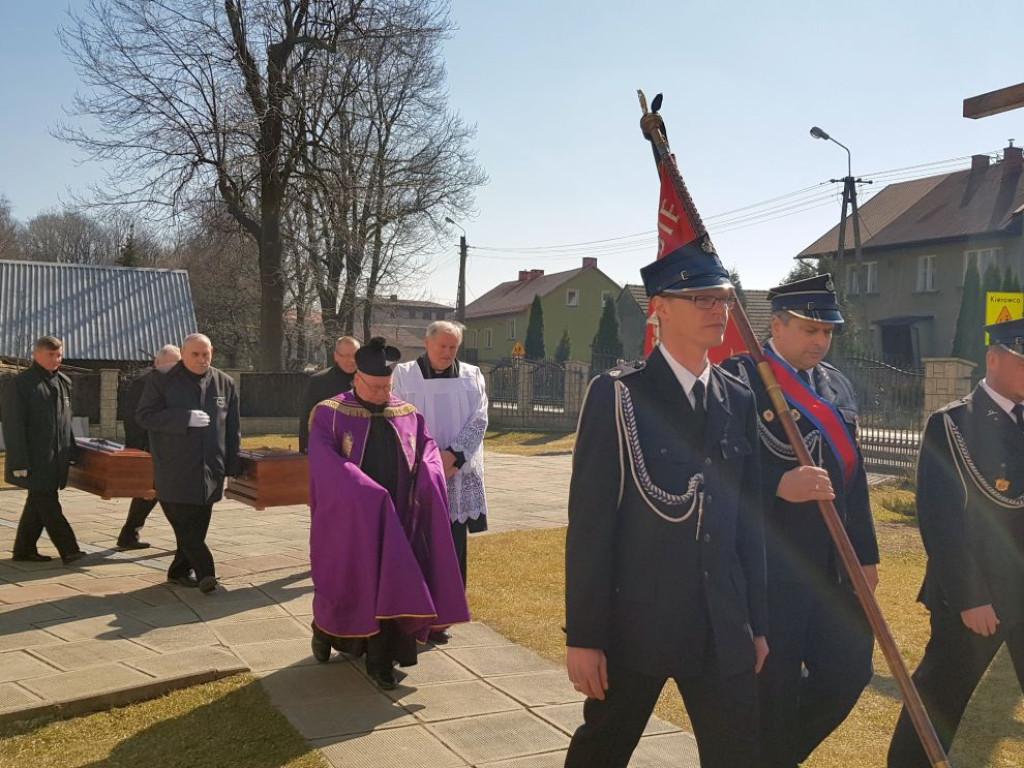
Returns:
<point x="108" y="631"/>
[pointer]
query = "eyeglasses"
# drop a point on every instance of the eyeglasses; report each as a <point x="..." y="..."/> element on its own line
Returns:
<point x="386" y="387"/>
<point x="706" y="302"/>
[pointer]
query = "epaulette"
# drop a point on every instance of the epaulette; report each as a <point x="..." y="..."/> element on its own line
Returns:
<point x="952" y="406"/>
<point x="626" y="369"/>
<point x="827" y="364"/>
<point x="730" y="375"/>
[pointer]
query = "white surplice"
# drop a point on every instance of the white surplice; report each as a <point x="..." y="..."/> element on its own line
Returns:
<point x="455" y="411"/>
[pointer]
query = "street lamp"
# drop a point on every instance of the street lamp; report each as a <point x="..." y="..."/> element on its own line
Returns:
<point x="849" y="201"/>
<point x="460" y="302"/>
<point x="817" y="133"/>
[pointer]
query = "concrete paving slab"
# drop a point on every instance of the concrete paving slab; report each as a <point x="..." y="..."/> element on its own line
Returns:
<point x="113" y="585"/>
<point x="547" y="760"/>
<point x="92" y="681"/>
<point x="447" y="701"/>
<point x="18" y="665"/>
<point x="29" y="614"/>
<point x="338" y="681"/>
<point x="569" y="717"/>
<point x="276" y="654"/>
<point x="26" y="637"/>
<point x="389" y="748"/>
<point x="432" y="666"/>
<point x="89" y="653"/>
<point x="106" y="627"/>
<point x="538" y="688"/>
<point x="85" y="606"/>
<point x="473" y="635"/>
<point x="241" y="632"/>
<point x="13" y="594"/>
<point x="500" y="660"/>
<point x="499" y="737"/>
<point x="210" y="658"/>
<point x="675" y="749"/>
<point x="165" y="615"/>
<point x="171" y="639"/>
<point x="359" y="715"/>
<point x="14" y="698"/>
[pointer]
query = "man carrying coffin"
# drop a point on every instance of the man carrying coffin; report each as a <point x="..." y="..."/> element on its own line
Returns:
<point x="381" y="553"/>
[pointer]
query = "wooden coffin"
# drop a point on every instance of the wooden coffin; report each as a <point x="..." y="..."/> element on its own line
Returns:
<point x="112" y="471"/>
<point x="271" y="477"/>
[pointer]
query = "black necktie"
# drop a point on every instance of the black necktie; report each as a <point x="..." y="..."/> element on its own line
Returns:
<point x="699" y="409"/>
<point x="806" y="376"/>
<point x="1018" y="415"/>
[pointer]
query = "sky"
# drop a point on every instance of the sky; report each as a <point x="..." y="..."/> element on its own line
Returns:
<point x="551" y="87"/>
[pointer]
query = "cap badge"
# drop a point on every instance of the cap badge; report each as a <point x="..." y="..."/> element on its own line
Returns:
<point x="1002" y="485"/>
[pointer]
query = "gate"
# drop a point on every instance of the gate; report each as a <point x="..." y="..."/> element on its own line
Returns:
<point x="891" y="412"/>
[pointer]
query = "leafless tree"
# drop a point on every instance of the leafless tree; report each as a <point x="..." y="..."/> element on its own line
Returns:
<point x="68" y="237"/>
<point x="197" y="100"/>
<point x="9" y="248"/>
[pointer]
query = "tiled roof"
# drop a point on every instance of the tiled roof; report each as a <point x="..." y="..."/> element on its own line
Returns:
<point x="759" y="312"/>
<point x="517" y="295"/>
<point x="950" y="206"/>
<point x="638" y="293"/>
<point x="100" y="312"/>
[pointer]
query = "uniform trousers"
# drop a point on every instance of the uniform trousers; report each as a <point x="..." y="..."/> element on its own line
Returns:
<point x="43" y="511"/>
<point x="819" y="661"/>
<point x="954" y="661"/>
<point x="138" y="512"/>
<point x="190" y="523"/>
<point x="722" y="710"/>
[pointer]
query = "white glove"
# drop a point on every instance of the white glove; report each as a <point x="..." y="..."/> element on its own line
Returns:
<point x="21" y="473"/>
<point x="198" y="418"/>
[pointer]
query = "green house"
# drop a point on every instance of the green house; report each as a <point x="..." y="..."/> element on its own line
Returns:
<point x="496" y="321"/>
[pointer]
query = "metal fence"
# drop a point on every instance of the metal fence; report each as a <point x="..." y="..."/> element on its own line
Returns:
<point x="891" y="412"/>
<point x="85" y="392"/>
<point x="272" y="394"/>
<point x="543" y="396"/>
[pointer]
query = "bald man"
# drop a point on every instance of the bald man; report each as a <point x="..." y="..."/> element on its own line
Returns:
<point x="192" y="416"/>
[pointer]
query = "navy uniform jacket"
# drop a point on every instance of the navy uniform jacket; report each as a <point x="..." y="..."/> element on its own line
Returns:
<point x="798" y="543"/>
<point x="134" y="435"/>
<point x="972" y="520"/>
<point x="649" y="592"/>
<point x="37" y="429"/>
<point x="189" y="463"/>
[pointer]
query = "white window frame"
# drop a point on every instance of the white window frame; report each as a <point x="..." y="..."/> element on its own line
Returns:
<point x="510" y="327"/>
<point x="572" y="297"/>
<point x="852" y="280"/>
<point x="983" y="257"/>
<point x="870" y="277"/>
<point x="926" y="273"/>
<point x="472" y="338"/>
<point x="488" y="338"/>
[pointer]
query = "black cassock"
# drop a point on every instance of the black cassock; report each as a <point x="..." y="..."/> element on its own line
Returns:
<point x="321" y="386"/>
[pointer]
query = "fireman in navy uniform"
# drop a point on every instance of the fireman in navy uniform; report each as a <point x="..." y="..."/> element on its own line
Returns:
<point x="821" y="640"/>
<point x="970" y="497"/>
<point x="665" y="570"/>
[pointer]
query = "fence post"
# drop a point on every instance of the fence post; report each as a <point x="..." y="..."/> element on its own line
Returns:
<point x="524" y="390"/>
<point x="575" y="387"/>
<point x="486" y="369"/>
<point x="945" y="380"/>
<point x="108" y="403"/>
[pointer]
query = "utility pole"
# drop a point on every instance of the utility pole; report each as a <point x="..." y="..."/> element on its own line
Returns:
<point x="460" y="305"/>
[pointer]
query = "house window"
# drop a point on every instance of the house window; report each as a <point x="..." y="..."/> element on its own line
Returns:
<point x="983" y="257"/>
<point x="472" y="338"/>
<point x="867" y="275"/>
<point x="852" y="279"/>
<point x="511" y="326"/>
<point x="604" y="297"/>
<point x="572" y="298"/>
<point x="926" y="273"/>
<point x="488" y="338"/>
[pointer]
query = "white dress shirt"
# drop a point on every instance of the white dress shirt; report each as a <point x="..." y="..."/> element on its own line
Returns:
<point x="687" y="379"/>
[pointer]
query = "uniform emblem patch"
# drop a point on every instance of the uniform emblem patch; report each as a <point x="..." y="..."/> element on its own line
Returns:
<point x="1002" y="485"/>
<point x="768" y="415"/>
<point x="222" y="402"/>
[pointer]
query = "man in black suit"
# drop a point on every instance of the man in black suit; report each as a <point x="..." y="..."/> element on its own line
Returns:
<point x="970" y="493"/>
<point x="820" y="638"/>
<point x="192" y="416"/>
<point x="328" y="383"/>
<point x="40" y="448"/>
<point x="665" y="570"/>
<point x="136" y="437"/>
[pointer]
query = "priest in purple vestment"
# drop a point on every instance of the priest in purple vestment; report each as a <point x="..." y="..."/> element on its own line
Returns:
<point x="384" y="567"/>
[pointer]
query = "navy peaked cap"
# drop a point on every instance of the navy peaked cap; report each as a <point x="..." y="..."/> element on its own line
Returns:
<point x="689" y="268"/>
<point x="812" y="298"/>
<point x="1009" y="335"/>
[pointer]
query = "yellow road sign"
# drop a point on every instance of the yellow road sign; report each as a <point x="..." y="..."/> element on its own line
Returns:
<point x="1002" y="307"/>
<point x="518" y="350"/>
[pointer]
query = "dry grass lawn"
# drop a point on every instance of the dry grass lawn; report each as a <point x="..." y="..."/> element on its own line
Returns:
<point x="524" y="602"/>
<point x="226" y="724"/>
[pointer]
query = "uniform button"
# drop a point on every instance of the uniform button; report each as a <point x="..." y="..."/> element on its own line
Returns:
<point x="707" y="460"/>
<point x="707" y="499"/>
<point x="664" y="451"/>
<point x="707" y="538"/>
<point x="706" y="575"/>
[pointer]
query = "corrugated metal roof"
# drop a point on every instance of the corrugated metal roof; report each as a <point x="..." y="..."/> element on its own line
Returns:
<point x="100" y="312"/>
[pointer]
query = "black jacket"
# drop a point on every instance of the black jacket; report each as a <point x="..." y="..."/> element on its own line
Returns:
<point x="190" y="463"/>
<point x="321" y="386"/>
<point x="799" y="546"/>
<point x="134" y="435"/>
<point x="650" y="592"/>
<point x="37" y="429"/>
<point x="974" y="535"/>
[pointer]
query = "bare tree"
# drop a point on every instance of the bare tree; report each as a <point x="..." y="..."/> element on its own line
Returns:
<point x="9" y="248"/>
<point x="68" y="237"/>
<point x="198" y="100"/>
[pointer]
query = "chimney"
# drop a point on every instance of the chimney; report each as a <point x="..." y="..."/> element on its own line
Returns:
<point x="590" y="261"/>
<point x="524" y="275"/>
<point x="1013" y="159"/>
<point x="535" y="273"/>
<point x="979" y="163"/>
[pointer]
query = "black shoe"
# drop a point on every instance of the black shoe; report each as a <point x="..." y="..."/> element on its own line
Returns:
<point x="133" y="544"/>
<point x="73" y="557"/>
<point x="321" y="648"/>
<point x="207" y="584"/>
<point x="439" y="637"/>
<point x="184" y="581"/>
<point x="31" y="557"/>
<point x="385" y="679"/>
